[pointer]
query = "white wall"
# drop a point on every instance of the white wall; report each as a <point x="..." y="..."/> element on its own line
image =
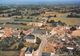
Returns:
<point x="28" y="54"/>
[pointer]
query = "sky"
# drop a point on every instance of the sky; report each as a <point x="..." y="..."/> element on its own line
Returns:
<point x="36" y="1"/>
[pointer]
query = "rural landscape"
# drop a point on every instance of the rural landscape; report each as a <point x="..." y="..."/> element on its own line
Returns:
<point x="39" y="28"/>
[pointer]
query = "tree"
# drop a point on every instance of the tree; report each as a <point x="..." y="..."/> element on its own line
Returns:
<point x="73" y="28"/>
<point x="21" y="45"/>
<point x="35" y="47"/>
<point x="38" y="41"/>
<point x="51" y="21"/>
<point x="54" y="15"/>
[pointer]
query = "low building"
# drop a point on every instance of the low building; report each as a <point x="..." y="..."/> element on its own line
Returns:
<point x="38" y="31"/>
<point x="36" y="24"/>
<point x="58" y="30"/>
<point x="67" y="27"/>
<point x="1" y="33"/>
<point x="29" y="51"/>
<point x="16" y="33"/>
<point x="78" y="27"/>
<point x="46" y="54"/>
<point x="8" y="31"/>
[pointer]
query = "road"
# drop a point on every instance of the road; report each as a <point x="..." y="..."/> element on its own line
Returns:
<point x="43" y="44"/>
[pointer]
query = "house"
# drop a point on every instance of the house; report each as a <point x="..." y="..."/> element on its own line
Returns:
<point x="58" y="30"/>
<point x="16" y="33"/>
<point x="8" y="31"/>
<point x="28" y="31"/>
<point x="29" y="51"/>
<point x="1" y="33"/>
<point x="67" y="27"/>
<point x="30" y="38"/>
<point x="78" y="27"/>
<point x="26" y="51"/>
<point x="52" y="47"/>
<point x="39" y="31"/>
<point x="37" y="24"/>
<point x="46" y="54"/>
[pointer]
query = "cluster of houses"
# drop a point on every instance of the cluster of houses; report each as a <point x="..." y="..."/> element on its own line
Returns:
<point x="31" y="35"/>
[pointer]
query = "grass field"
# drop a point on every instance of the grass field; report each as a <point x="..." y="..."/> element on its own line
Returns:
<point x="9" y="53"/>
<point x="68" y="21"/>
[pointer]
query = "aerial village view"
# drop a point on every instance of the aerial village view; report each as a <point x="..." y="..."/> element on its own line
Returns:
<point x="39" y="28"/>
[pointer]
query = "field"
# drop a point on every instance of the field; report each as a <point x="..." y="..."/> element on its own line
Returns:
<point x="63" y="18"/>
<point x="68" y="21"/>
<point x="9" y="53"/>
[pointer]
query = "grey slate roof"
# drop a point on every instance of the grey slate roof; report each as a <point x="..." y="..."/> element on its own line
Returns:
<point x="29" y="36"/>
<point x="39" y="31"/>
<point x="29" y="50"/>
<point x="46" y="54"/>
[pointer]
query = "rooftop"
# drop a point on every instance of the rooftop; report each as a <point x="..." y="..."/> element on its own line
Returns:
<point x="29" y="36"/>
<point x="39" y="31"/>
<point x="29" y="50"/>
<point x="46" y="54"/>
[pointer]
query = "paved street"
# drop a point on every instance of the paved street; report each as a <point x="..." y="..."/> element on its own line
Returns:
<point x="43" y="43"/>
